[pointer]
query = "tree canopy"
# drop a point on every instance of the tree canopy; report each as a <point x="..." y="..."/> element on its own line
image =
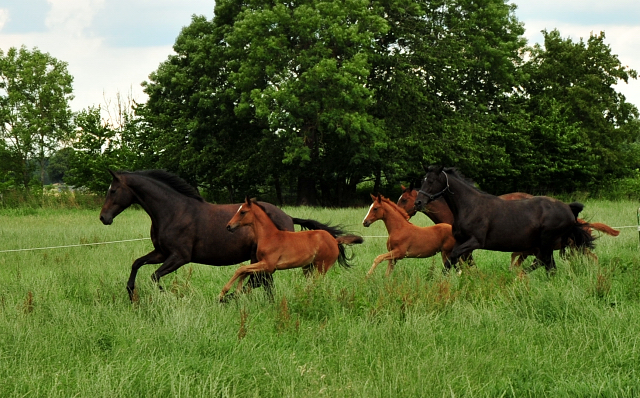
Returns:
<point x="35" y="90"/>
<point x="305" y="100"/>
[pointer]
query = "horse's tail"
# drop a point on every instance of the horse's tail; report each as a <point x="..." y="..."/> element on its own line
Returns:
<point x="576" y="208"/>
<point x="334" y="230"/>
<point x="337" y="232"/>
<point x="343" y="259"/>
<point x="580" y="234"/>
<point x="598" y="226"/>
<point x="349" y="239"/>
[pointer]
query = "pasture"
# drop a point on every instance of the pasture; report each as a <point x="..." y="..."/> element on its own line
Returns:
<point x="67" y="327"/>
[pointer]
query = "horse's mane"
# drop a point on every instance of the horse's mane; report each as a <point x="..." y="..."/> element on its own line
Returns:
<point x="173" y="181"/>
<point x="255" y="202"/>
<point x="453" y="171"/>
<point x="395" y="207"/>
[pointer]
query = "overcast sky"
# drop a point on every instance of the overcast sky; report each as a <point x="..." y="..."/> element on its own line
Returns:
<point x="111" y="46"/>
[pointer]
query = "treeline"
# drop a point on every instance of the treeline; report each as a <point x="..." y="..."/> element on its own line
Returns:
<point x="305" y="101"/>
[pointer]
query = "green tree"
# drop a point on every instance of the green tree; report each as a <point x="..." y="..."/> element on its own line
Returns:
<point x="580" y="126"/>
<point x="99" y="145"/>
<point x="35" y="90"/>
<point x="302" y="70"/>
<point x="192" y="127"/>
<point x="444" y="78"/>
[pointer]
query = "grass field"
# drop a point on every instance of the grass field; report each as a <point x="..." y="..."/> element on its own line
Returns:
<point x="67" y="327"/>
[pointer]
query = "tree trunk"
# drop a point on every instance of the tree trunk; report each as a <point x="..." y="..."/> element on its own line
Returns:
<point x="378" y="182"/>
<point x="278" y="187"/>
<point x="307" y="194"/>
<point x="231" y="194"/>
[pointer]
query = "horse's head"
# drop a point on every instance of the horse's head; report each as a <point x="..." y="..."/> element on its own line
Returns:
<point x="407" y="200"/>
<point x="119" y="197"/>
<point x="244" y="216"/>
<point x="434" y="185"/>
<point x="376" y="211"/>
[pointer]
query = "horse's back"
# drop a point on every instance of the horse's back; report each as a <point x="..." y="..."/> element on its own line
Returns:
<point x="214" y="245"/>
<point x="520" y="224"/>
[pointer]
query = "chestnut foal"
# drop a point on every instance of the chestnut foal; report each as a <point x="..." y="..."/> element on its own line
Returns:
<point x="406" y="239"/>
<point x="278" y="249"/>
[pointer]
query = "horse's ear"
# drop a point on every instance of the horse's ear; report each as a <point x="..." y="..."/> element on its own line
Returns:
<point x="247" y="201"/>
<point x="425" y="168"/>
<point x="403" y="187"/>
<point x="113" y="174"/>
<point x="440" y="169"/>
<point x="373" y="197"/>
<point x="379" y="198"/>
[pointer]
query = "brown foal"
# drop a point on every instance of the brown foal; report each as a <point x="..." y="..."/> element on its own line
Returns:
<point x="278" y="249"/>
<point x="406" y="239"/>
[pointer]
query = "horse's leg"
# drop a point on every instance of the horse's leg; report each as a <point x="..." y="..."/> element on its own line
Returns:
<point x="518" y="258"/>
<point x="172" y="263"/>
<point x="260" y="278"/>
<point x="386" y="256"/>
<point x="459" y="250"/>
<point x="390" y="266"/>
<point x="545" y="254"/>
<point x="467" y="258"/>
<point x="155" y="257"/>
<point x="308" y="269"/>
<point x="445" y="256"/>
<point x="242" y="271"/>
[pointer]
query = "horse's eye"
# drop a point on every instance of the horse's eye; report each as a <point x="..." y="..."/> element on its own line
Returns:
<point x="113" y="191"/>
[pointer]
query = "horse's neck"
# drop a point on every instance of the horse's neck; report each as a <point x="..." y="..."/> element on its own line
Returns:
<point x="459" y="196"/>
<point x="156" y="199"/>
<point x="263" y="226"/>
<point x="393" y="220"/>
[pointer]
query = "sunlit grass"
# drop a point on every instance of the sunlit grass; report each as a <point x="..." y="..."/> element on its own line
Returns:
<point x="67" y="327"/>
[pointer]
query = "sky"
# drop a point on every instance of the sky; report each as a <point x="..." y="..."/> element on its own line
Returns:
<point x="111" y="46"/>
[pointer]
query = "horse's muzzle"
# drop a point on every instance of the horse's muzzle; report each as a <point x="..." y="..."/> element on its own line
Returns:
<point x="366" y="223"/>
<point x="230" y="228"/>
<point x="106" y="220"/>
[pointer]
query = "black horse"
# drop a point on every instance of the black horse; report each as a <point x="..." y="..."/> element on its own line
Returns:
<point x="185" y="228"/>
<point x="484" y="221"/>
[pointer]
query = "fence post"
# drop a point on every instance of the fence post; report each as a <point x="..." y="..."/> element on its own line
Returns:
<point x="638" y="213"/>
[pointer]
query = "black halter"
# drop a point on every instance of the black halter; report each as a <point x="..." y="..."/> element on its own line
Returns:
<point x="437" y="194"/>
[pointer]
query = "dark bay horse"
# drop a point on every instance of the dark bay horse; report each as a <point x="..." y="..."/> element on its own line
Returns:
<point x="279" y="250"/>
<point x="483" y="221"/>
<point x="439" y="210"/>
<point x="406" y="239"/>
<point x="185" y="228"/>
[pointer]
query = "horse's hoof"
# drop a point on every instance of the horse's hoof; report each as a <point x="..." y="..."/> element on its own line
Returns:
<point x="225" y="298"/>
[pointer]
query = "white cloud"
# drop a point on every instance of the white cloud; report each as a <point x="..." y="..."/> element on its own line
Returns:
<point x="100" y="71"/>
<point x="72" y="16"/>
<point x="4" y="17"/>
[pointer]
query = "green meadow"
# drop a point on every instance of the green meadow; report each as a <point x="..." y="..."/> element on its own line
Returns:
<point x="68" y="329"/>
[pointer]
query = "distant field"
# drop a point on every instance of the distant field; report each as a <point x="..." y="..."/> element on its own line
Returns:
<point x="67" y="327"/>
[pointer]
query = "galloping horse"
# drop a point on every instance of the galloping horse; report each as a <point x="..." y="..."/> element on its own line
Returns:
<point x="438" y="210"/>
<point x="408" y="197"/>
<point x="278" y="249"/>
<point x="406" y="239"/>
<point x="483" y="221"/>
<point x="184" y="228"/>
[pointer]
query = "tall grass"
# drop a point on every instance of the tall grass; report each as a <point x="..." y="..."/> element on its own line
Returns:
<point x="67" y="327"/>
